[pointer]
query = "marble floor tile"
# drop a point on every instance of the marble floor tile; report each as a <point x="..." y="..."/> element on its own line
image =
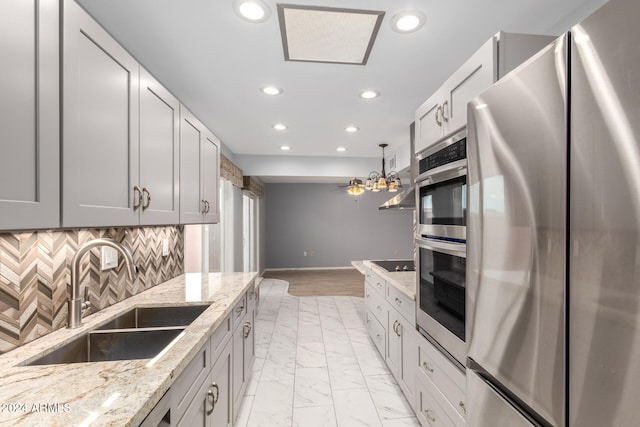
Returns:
<point x="310" y="355"/>
<point x="354" y="408"/>
<point x="316" y="366"/>
<point x="279" y="365"/>
<point x="319" y="416"/>
<point x="387" y="397"/>
<point x="272" y="405"/>
<point x="345" y="373"/>
<point x="312" y="387"/>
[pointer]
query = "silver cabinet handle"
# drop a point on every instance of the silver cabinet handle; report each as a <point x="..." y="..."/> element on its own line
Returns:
<point x="137" y="198"/>
<point x="398" y="301"/>
<point x="430" y="417"/>
<point x="438" y="111"/>
<point x="399" y="329"/>
<point x="204" y="206"/>
<point x="395" y="325"/>
<point x="247" y="329"/>
<point x="462" y="407"/>
<point x="208" y="207"/>
<point x="213" y="401"/>
<point x="214" y="385"/>
<point x="445" y="104"/>
<point x="427" y="367"/>
<point x="146" y="191"/>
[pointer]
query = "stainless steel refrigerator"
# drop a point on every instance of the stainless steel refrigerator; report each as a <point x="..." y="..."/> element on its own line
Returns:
<point x="553" y="261"/>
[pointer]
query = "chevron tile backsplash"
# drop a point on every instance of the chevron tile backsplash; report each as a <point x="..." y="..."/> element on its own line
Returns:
<point x="35" y="271"/>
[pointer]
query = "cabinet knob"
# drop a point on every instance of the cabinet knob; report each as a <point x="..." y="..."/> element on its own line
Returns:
<point x="427" y="367"/>
<point x="146" y="191"/>
<point x="398" y="301"/>
<point x="462" y="407"/>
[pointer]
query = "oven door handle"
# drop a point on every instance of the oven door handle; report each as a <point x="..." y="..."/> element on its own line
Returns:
<point x="450" y="248"/>
<point x="443" y="173"/>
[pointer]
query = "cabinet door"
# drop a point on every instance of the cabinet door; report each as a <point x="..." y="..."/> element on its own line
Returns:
<point x="211" y="177"/>
<point x="472" y="78"/>
<point x="409" y="359"/>
<point x="238" y="368"/>
<point x="192" y="134"/>
<point x="394" y="344"/>
<point x="429" y="122"/>
<point x="29" y="115"/>
<point x="159" y="152"/>
<point x="249" y="343"/>
<point x="196" y="413"/>
<point x="222" y="389"/>
<point x="99" y="127"/>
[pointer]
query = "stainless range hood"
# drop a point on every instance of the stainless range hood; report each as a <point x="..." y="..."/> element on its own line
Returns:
<point x="406" y="199"/>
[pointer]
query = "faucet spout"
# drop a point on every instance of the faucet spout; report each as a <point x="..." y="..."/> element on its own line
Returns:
<point x="74" y="318"/>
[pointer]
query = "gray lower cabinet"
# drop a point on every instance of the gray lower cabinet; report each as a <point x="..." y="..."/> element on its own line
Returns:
<point x="29" y="114"/>
<point x="199" y="171"/>
<point x="211" y="404"/>
<point x="243" y="351"/>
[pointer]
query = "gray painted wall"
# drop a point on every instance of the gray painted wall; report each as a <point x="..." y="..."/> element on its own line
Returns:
<point x="333" y="227"/>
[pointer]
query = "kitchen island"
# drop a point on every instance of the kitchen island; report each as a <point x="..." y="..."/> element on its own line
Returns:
<point x="121" y="392"/>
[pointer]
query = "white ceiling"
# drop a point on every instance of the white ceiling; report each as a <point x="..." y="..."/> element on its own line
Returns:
<point x="215" y="63"/>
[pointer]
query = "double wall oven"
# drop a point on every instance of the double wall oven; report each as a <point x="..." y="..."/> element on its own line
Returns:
<point x="441" y="202"/>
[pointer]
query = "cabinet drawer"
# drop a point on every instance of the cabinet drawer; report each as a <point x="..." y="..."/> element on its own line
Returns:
<point x="185" y="388"/>
<point x="405" y="305"/>
<point x="376" y="304"/>
<point x="220" y="337"/>
<point x="377" y="332"/>
<point x="239" y="312"/>
<point x="376" y="282"/>
<point x="444" y="375"/>
<point x="431" y="406"/>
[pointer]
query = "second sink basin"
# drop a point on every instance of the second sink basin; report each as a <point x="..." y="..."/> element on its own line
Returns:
<point x="156" y="317"/>
<point x="100" y="346"/>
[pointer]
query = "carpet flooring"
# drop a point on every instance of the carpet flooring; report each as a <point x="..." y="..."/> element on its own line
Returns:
<point x="314" y="283"/>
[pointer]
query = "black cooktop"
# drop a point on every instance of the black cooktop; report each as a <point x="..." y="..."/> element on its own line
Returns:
<point x="396" y="265"/>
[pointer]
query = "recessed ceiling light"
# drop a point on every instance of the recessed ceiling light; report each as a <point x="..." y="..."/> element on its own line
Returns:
<point x="341" y="149"/>
<point x="408" y="21"/>
<point x="252" y="10"/>
<point x="369" y="94"/>
<point x="271" y="90"/>
<point x="279" y="126"/>
<point x="285" y="148"/>
<point x="351" y="129"/>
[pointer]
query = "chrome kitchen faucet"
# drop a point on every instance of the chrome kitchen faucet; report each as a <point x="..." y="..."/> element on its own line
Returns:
<point x="75" y="304"/>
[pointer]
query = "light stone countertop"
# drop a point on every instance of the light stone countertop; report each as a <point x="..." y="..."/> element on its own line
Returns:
<point x="404" y="281"/>
<point x="118" y="393"/>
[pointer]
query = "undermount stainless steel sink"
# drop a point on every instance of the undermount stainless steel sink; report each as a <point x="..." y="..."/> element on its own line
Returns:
<point x="156" y="317"/>
<point x="140" y="333"/>
<point x="123" y="344"/>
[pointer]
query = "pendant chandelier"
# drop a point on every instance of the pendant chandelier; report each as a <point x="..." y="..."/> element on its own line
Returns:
<point x="377" y="181"/>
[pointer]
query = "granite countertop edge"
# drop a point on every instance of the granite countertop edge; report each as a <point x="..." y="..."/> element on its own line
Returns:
<point x="404" y="281"/>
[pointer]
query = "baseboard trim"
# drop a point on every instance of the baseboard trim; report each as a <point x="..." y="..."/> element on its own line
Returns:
<point x="309" y="268"/>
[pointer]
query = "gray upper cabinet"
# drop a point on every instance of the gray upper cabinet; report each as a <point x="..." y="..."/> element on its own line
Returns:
<point x="199" y="171"/>
<point x="159" y="153"/>
<point x="446" y="110"/>
<point x="29" y="115"/>
<point x="99" y="126"/>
